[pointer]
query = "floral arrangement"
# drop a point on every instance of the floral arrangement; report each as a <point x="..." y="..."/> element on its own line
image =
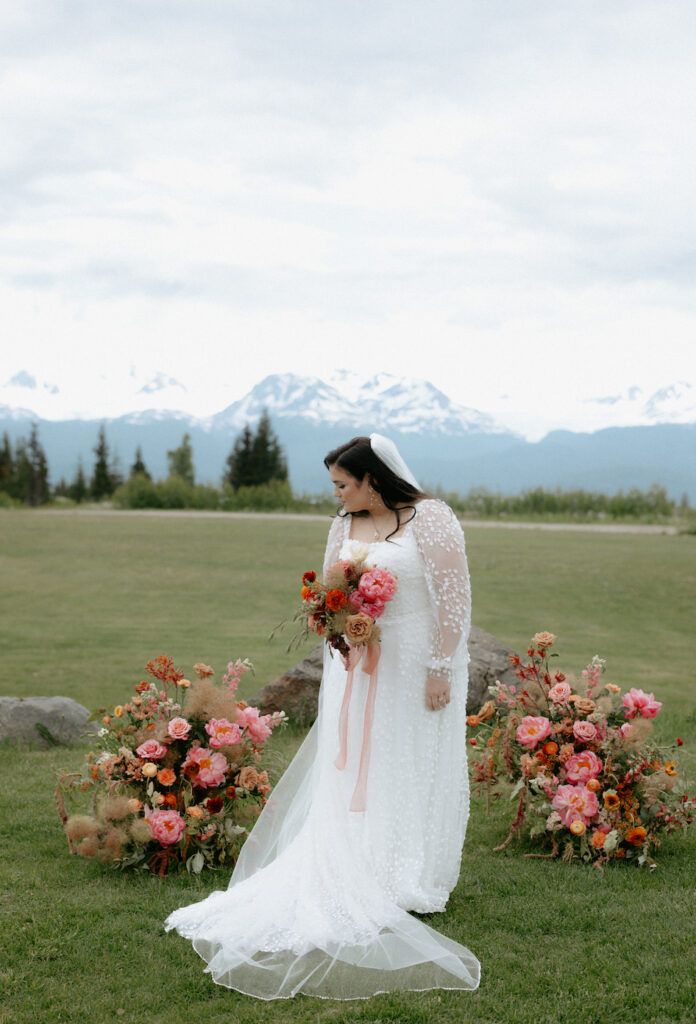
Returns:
<point x="345" y="607"/>
<point x="177" y="778"/>
<point x="591" y="783"/>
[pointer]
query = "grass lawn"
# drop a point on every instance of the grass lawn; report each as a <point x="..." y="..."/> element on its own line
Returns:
<point x="87" y="599"/>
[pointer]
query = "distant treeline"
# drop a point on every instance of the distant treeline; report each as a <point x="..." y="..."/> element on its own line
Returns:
<point x="255" y="477"/>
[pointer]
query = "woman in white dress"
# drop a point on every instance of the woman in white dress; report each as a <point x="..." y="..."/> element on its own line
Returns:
<point x="319" y="899"/>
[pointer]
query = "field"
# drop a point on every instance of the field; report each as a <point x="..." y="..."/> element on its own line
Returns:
<point x="87" y="599"/>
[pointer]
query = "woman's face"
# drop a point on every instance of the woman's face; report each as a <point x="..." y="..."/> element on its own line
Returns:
<point x="353" y="494"/>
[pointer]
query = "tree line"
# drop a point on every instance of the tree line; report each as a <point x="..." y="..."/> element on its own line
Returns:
<point x="256" y="459"/>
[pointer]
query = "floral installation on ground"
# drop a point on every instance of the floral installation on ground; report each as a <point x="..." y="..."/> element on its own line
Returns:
<point x="345" y="607"/>
<point x="591" y="782"/>
<point x="177" y="778"/>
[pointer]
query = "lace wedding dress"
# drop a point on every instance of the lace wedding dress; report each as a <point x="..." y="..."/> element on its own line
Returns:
<point x="319" y="899"/>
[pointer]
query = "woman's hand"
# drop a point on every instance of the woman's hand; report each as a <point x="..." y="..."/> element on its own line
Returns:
<point x="437" y="693"/>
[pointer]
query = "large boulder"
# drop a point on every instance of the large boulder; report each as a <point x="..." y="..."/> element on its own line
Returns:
<point x="43" y="721"/>
<point x="296" y="691"/>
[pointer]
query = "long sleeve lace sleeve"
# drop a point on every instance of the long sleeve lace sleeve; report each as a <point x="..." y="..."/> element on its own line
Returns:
<point x="334" y="542"/>
<point x="441" y="544"/>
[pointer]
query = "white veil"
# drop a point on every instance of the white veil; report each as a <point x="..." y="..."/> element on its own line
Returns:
<point x="387" y="452"/>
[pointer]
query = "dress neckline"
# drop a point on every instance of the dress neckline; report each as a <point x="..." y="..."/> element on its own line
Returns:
<point x="372" y="543"/>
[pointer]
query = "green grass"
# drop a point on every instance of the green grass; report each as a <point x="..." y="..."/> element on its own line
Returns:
<point x="86" y="600"/>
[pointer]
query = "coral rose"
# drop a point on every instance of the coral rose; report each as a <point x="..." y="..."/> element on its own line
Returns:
<point x="166" y="777"/>
<point x="208" y="767"/>
<point x="151" y="750"/>
<point x="222" y="732"/>
<point x="575" y="803"/>
<point x="638" y="702"/>
<point x="335" y="599"/>
<point x="532" y="730"/>
<point x="167" y="827"/>
<point x="543" y="640"/>
<point x="178" y="728"/>
<point x="583" y="766"/>
<point x="585" y="732"/>
<point x="203" y="671"/>
<point x="560" y="693"/>
<point x="377" y="585"/>
<point x="598" y="839"/>
<point x="248" y="778"/>
<point x="358" y="628"/>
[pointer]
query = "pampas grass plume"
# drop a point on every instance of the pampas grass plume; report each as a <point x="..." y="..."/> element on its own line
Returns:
<point x="78" y="826"/>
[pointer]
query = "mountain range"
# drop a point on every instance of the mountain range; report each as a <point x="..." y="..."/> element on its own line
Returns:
<point x="446" y="444"/>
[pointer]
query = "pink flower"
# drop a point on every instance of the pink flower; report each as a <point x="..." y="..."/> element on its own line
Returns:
<point x="256" y="725"/>
<point x="377" y="585"/>
<point x="357" y="600"/>
<point x="638" y="702"/>
<point x="532" y="730"/>
<point x="179" y="728"/>
<point x="585" y="732"/>
<point x="223" y="733"/>
<point x="375" y="609"/>
<point x="210" y="767"/>
<point x="167" y="827"/>
<point x="583" y="766"/>
<point x="625" y="729"/>
<point x="151" y="750"/>
<point x="560" y="693"/>
<point x="575" y="803"/>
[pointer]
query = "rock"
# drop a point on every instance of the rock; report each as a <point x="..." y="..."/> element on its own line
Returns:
<point x="296" y="691"/>
<point x="62" y="718"/>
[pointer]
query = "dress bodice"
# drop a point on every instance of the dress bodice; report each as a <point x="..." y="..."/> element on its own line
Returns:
<point x="402" y="558"/>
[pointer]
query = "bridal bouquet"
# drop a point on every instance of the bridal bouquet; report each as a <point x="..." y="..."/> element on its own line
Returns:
<point x="177" y="778"/>
<point x="345" y="607"/>
<point x="591" y="782"/>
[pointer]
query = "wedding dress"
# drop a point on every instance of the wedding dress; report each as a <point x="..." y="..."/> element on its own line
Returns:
<point x="319" y="899"/>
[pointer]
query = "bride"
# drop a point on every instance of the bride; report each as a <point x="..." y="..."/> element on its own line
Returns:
<point x="319" y="899"/>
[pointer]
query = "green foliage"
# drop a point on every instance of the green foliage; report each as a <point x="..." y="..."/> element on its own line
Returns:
<point x="25" y="477"/>
<point x="78" y="490"/>
<point x="139" y="468"/>
<point x="271" y="496"/>
<point x="174" y="492"/>
<point x="256" y="458"/>
<point x="539" y="503"/>
<point x="6" y="464"/>
<point x="102" y="483"/>
<point x="181" y="461"/>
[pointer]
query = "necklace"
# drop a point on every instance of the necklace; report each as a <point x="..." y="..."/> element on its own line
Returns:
<point x="378" y="528"/>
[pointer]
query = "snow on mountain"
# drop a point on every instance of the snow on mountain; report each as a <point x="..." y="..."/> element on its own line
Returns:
<point x="633" y="407"/>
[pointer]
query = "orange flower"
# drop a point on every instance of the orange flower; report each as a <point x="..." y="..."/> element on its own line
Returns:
<point x="611" y="800"/>
<point x="118" y="711"/>
<point x="593" y="785"/>
<point x="335" y="599"/>
<point x="194" y="811"/>
<point x="636" y="835"/>
<point x="487" y="711"/>
<point x="577" y="827"/>
<point x="184" y="683"/>
<point x="166" y="777"/>
<point x="613" y="688"/>
<point x="671" y="768"/>
<point x="550" y="748"/>
<point x="599" y="839"/>
<point x="169" y="800"/>
<point x="203" y="671"/>
<point x="473" y="720"/>
<point x="543" y="640"/>
<point x="106" y="719"/>
<point x="306" y="593"/>
<point x="309" y="577"/>
<point x="231" y="793"/>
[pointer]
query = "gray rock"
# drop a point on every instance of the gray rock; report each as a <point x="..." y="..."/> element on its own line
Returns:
<point x="296" y="691"/>
<point x="62" y="718"/>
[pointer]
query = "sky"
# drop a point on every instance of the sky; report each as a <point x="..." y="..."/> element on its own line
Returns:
<point x="498" y="197"/>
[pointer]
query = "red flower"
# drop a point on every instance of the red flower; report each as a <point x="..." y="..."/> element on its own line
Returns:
<point x="169" y="800"/>
<point x="680" y="742"/>
<point x="335" y="599"/>
<point x="231" y="793"/>
<point x="309" y="577"/>
<point x="306" y="593"/>
<point x="214" y="804"/>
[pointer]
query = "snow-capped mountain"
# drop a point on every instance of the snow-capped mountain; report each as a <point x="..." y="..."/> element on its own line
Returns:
<point x="633" y="407"/>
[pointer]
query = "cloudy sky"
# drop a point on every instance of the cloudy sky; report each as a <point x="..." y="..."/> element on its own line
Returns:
<point x="497" y="196"/>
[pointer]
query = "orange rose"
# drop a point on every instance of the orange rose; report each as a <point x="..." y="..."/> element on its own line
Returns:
<point x="335" y="599"/>
<point x="184" y="683"/>
<point x="599" y="839"/>
<point x="166" y="777"/>
<point x="613" y="688"/>
<point x="203" y="671"/>
<point x="248" y="778"/>
<point x="306" y="593"/>
<point x="583" y="704"/>
<point x="543" y="640"/>
<point x="636" y="835"/>
<point x="358" y="628"/>
<point x="473" y="720"/>
<point x="194" y="811"/>
<point x="487" y="711"/>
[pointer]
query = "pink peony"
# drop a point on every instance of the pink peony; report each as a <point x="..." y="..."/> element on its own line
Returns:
<point x="637" y="702"/>
<point x="377" y="585"/>
<point x="532" y="730"/>
<point x="583" y="766"/>
<point x="560" y="693"/>
<point x="256" y="725"/>
<point x="179" y="728"/>
<point x="575" y="803"/>
<point x="357" y="600"/>
<point x="151" y="750"/>
<point x="167" y="827"/>
<point x="210" y="766"/>
<point x="223" y="733"/>
<point x="585" y="732"/>
<point x="375" y="609"/>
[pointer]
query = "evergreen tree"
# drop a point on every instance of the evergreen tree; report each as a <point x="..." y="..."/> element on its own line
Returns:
<point x="256" y="458"/>
<point x="39" y="489"/>
<point x="115" y="472"/>
<point x="21" y="478"/>
<point x="61" y="490"/>
<point x="78" y="488"/>
<point x="139" y="468"/>
<point x="240" y="461"/>
<point x="101" y="484"/>
<point x="6" y="464"/>
<point x="181" y="460"/>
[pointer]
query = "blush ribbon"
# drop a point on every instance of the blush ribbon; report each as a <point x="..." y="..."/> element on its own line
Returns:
<point x="369" y="654"/>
